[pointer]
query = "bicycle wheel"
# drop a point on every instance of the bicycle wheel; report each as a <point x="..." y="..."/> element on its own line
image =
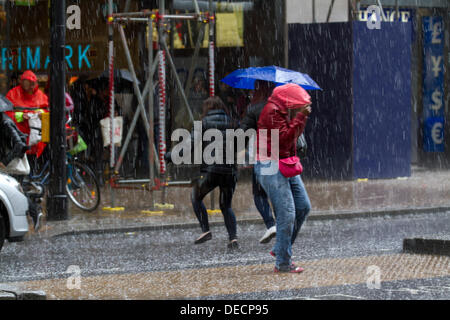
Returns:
<point x="82" y="186"/>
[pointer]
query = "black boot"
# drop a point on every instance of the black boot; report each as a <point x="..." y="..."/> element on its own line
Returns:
<point x="204" y="237"/>
<point x="232" y="246"/>
<point x="35" y="212"/>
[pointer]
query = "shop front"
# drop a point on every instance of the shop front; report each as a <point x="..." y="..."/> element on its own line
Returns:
<point x="397" y="91"/>
<point x="26" y="38"/>
<point x="246" y="33"/>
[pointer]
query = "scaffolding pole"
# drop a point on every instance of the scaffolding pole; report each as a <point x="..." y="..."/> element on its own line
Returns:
<point x="111" y="95"/>
<point x="141" y="108"/>
<point x="211" y="70"/>
<point x="151" y="139"/>
<point x="162" y="95"/>
<point x="178" y="82"/>
<point x="211" y="51"/>
<point x="160" y="15"/>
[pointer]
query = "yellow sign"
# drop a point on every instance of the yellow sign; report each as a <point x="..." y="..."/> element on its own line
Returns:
<point x="230" y="29"/>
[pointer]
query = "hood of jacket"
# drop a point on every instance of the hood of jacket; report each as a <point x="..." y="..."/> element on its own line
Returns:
<point x="22" y="99"/>
<point x="290" y="96"/>
<point x="217" y="119"/>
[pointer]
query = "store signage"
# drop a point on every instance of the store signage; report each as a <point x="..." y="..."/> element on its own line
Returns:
<point x="32" y="58"/>
<point x="390" y="13"/>
<point x="433" y="84"/>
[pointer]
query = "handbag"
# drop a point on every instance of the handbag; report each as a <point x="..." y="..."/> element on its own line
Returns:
<point x="18" y="166"/>
<point x="35" y="129"/>
<point x="290" y="167"/>
<point x="106" y="134"/>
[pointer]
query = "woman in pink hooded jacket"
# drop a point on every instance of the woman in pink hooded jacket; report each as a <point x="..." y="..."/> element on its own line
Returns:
<point x="277" y="136"/>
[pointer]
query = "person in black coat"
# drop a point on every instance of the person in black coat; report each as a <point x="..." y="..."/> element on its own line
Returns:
<point x="215" y="173"/>
<point x="216" y="116"/>
<point x="13" y="144"/>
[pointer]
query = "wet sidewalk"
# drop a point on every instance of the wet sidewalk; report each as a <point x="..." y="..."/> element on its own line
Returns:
<point x="425" y="191"/>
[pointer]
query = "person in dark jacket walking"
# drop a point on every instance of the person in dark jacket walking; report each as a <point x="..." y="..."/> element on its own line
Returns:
<point x="218" y="174"/>
<point x="215" y="173"/>
<point x="263" y="90"/>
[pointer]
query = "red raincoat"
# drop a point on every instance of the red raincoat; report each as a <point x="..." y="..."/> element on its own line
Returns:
<point x="275" y="116"/>
<point x="27" y="103"/>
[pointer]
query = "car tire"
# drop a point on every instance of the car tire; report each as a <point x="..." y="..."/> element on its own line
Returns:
<point x="2" y="231"/>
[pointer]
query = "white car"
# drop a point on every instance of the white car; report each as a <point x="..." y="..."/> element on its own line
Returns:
<point x="13" y="210"/>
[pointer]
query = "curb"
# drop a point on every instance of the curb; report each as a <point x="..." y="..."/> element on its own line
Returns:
<point x="427" y="246"/>
<point x="317" y="216"/>
<point x="12" y="293"/>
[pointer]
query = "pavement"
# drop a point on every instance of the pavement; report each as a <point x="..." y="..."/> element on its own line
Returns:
<point x="188" y="284"/>
<point x="342" y="258"/>
<point x="353" y="226"/>
<point x="426" y="191"/>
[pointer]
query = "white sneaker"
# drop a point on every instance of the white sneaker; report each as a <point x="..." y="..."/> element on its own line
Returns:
<point x="270" y="233"/>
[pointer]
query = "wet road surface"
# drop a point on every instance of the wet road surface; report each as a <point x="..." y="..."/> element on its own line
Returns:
<point x="336" y="255"/>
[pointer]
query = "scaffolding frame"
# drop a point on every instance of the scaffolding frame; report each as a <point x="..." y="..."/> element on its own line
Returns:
<point x="159" y="17"/>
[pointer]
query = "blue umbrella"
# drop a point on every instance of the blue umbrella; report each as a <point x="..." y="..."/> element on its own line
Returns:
<point x="245" y="78"/>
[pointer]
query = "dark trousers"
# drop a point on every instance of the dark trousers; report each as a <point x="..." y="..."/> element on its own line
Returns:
<point x="204" y="185"/>
<point x="262" y="203"/>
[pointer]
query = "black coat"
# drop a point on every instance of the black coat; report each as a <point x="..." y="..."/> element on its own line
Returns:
<point x="13" y="143"/>
<point x="218" y="119"/>
<point x="251" y="117"/>
<point x="215" y="119"/>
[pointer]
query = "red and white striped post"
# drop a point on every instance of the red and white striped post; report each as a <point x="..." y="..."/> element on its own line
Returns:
<point x="162" y="110"/>
<point x="211" y="68"/>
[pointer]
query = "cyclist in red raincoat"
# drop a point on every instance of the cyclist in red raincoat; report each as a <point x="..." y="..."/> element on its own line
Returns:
<point x="27" y="98"/>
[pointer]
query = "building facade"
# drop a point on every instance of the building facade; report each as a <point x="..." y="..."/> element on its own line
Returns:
<point x="247" y="33"/>
<point x="430" y="144"/>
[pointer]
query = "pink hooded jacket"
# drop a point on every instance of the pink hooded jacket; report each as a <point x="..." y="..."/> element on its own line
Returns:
<point x="275" y="116"/>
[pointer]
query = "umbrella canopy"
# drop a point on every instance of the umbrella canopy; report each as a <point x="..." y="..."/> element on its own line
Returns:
<point x="5" y="104"/>
<point x="245" y="78"/>
<point x="119" y="75"/>
<point x="123" y="81"/>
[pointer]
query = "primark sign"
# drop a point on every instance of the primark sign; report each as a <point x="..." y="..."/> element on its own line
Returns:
<point x="32" y="58"/>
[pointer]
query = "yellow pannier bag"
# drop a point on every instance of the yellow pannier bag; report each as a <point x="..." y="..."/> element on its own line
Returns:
<point x="45" y="133"/>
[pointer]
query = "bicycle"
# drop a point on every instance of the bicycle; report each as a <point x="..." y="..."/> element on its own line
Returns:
<point x="82" y="186"/>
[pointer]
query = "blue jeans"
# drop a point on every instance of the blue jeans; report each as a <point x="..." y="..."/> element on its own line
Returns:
<point x="262" y="203"/>
<point x="292" y="205"/>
